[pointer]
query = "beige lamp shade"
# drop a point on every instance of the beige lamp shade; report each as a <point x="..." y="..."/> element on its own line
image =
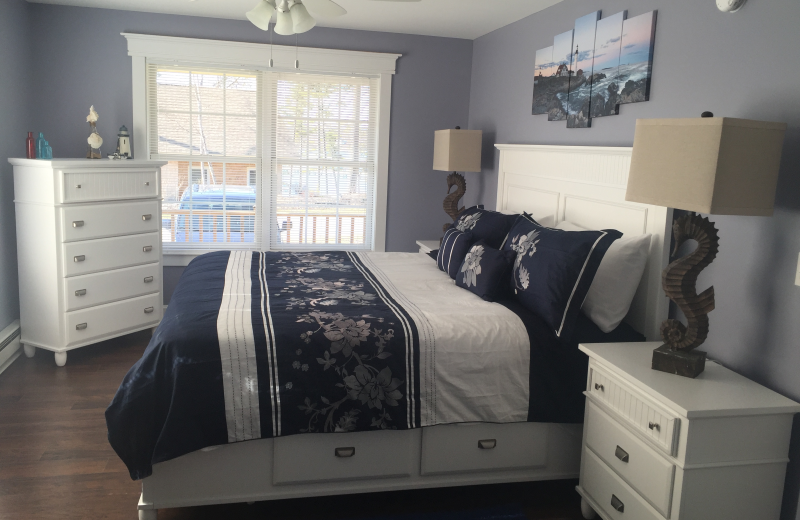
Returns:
<point x="715" y="165"/>
<point x="457" y="150"/>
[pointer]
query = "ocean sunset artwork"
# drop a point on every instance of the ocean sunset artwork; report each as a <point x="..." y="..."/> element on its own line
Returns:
<point x="590" y="71"/>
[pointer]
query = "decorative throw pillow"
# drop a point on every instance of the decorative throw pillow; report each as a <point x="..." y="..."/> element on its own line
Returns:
<point x="554" y="269"/>
<point x="485" y="271"/>
<point x="455" y="245"/>
<point x="491" y="226"/>
<point x="614" y="286"/>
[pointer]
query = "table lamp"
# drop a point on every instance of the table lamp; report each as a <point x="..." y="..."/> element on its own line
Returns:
<point x="454" y="151"/>
<point x="712" y="165"/>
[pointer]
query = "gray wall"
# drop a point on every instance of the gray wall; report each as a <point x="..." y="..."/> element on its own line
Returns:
<point x="15" y="121"/>
<point x="738" y="65"/>
<point x="82" y="60"/>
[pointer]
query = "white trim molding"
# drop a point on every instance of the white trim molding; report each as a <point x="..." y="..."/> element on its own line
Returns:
<point x="9" y="345"/>
<point x="146" y="48"/>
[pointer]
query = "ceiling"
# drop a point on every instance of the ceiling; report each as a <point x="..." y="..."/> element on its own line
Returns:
<point x="450" y="18"/>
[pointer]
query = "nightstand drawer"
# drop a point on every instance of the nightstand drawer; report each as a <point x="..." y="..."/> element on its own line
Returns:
<point x="109" y="286"/>
<point x="110" y="184"/>
<point x="652" y="421"/>
<point x="618" y="500"/>
<point x="640" y="466"/>
<point x="103" y="254"/>
<point x="90" y="221"/>
<point x="95" y="323"/>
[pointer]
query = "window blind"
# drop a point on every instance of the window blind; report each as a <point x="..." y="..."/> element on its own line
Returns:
<point x="322" y="160"/>
<point x="207" y="123"/>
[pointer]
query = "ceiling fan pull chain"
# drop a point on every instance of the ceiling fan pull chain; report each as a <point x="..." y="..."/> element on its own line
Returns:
<point x="296" y="60"/>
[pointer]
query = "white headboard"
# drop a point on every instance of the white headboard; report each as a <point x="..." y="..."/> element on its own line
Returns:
<point x="586" y="185"/>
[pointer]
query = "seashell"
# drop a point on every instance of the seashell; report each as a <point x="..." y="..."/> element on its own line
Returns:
<point x="92" y="117"/>
<point x="95" y="141"/>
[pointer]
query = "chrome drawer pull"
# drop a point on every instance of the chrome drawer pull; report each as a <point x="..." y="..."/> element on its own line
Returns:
<point x="78" y="186"/>
<point x="344" y="452"/>
<point x="617" y="504"/>
<point x="148" y="310"/>
<point x="487" y="444"/>
<point x="80" y="326"/>
<point x="79" y="258"/>
<point x="77" y="224"/>
<point x="600" y="387"/>
<point x="654" y="426"/>
<point x="148" y="279"/>
<point x="80" y="292"/>
<point x="147" y="249"/>
<point x="622" y="454"/>
<point x="147" y="183"/>
<point x="147" y="217"/>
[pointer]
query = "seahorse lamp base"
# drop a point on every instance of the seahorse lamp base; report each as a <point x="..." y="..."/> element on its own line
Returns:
<point x="686" y="363"/>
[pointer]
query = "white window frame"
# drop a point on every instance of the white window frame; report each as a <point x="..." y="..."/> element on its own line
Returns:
<point x="256" y="56"/>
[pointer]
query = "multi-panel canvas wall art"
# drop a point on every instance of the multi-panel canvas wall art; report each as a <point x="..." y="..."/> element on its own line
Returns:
<point x="591" y="70"/>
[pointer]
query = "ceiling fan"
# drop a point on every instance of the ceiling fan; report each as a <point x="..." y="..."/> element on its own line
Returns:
<point x="293" y="16"/>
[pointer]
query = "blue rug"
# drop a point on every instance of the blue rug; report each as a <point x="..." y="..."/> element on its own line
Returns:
<point x="503" y="512"/>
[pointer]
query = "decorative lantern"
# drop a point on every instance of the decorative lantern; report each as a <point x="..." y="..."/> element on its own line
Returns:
<point x="124" y="143"/>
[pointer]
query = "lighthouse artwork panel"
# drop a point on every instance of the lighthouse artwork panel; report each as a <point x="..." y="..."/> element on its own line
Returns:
<point x="591" y="70"/>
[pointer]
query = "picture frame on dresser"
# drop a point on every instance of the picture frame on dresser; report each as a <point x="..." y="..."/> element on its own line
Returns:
<point x="88" y="250"/>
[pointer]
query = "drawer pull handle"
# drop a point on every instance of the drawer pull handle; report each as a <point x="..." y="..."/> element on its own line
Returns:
<point x="598" y="386"/>
<point x="617" y="504"/>
<point x="80" y="292"/>
<point x="654" y="426"/>
<point x="78" y="186"/>
<point x="77" y="224"/>
<point x="487" y="444"/>
<point x="345" y="452"/>
<point x="148" y="310"/>
<point x="622" y="454"/>
<point x="148" y="279"/>
<point x="79" y="258"/>
<point x="147" y="249"/>
<point x="147" y="217"/>
<point x="147" y="183"/>
<point x="80" y="326"/>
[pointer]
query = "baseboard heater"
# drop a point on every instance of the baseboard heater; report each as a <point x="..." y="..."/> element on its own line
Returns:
<point x="9" y="345"/>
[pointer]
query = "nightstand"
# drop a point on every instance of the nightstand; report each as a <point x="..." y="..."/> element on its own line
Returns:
<point x="659" y="446"/>
<point x="426" y="246"/>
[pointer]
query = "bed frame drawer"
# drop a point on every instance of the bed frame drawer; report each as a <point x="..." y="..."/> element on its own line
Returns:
<point x="327" y="457"/>
<point x="640" y="466"/>
<point x="461" y="448"/>
<point x="107" y="220"/>
<point x="103" y="254"/>
<point x="96" y="323"/>
<point x="617" y="499"/>
<point x="111" y="184"/>
<point x="652" y="421"/>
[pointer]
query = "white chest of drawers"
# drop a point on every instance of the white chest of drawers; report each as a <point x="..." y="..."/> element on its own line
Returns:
<point x="89" y="250"/>
<point x="658" y="446"/>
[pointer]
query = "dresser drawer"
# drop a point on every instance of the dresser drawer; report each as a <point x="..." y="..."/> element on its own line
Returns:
<point x="108" y="220"/>
<point x="655" y="423"/>
<point x="109" y="286"/>
<point x="460" y="448"/>
<point x="112" y="318"/>
<point x="112" y="184"/>
<point x="328" y="457"/>
<point x="91" y="256"/>
<point x="618" y="500"/>
<point x="640" y="466"/>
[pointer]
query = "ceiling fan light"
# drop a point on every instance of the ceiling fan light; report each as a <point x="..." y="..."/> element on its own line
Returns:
<point x="261" y="14"/>
<point x="302" y="21"/>
<point x="284" y="26"/>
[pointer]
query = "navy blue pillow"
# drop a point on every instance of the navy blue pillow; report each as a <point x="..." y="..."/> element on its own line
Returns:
<point x="455" y="245"/>
<point x="554" y="269"/>
<point x="485" y="271"/>
<point x="484" y="224"/>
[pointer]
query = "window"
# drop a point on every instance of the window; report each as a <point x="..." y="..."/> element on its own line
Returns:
<point x="264" y="155"/>
<point x="323" y="167"/>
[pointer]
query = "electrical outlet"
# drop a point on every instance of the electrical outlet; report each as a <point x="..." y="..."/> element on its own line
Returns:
<point x="797" y="276"/>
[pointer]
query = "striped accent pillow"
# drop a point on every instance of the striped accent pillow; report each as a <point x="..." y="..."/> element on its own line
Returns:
<point x="454" y="248"/>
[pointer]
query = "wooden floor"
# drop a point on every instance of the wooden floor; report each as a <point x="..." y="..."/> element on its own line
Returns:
<point x="55" y="460"/>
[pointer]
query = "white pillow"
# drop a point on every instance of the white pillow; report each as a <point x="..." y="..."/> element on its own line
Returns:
<point x="614" y="286"/>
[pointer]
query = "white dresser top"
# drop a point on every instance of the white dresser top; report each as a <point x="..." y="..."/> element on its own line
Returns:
<point x="83" y="163"/>
<point x="716" y="392"/>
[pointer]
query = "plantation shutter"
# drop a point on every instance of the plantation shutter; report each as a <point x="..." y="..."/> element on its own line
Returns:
<point x="322" y="160"/>
<point x="207" y="123"/>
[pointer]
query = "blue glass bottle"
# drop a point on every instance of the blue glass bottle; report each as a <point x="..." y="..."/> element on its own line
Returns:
<point x="48" y="151"/>
<point x="40" y="146"/>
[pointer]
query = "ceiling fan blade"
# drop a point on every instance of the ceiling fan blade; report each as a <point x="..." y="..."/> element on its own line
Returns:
<point x="324" y="8"/>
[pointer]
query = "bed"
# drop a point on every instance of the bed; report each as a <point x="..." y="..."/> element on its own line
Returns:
<point x="277" y="375"/>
